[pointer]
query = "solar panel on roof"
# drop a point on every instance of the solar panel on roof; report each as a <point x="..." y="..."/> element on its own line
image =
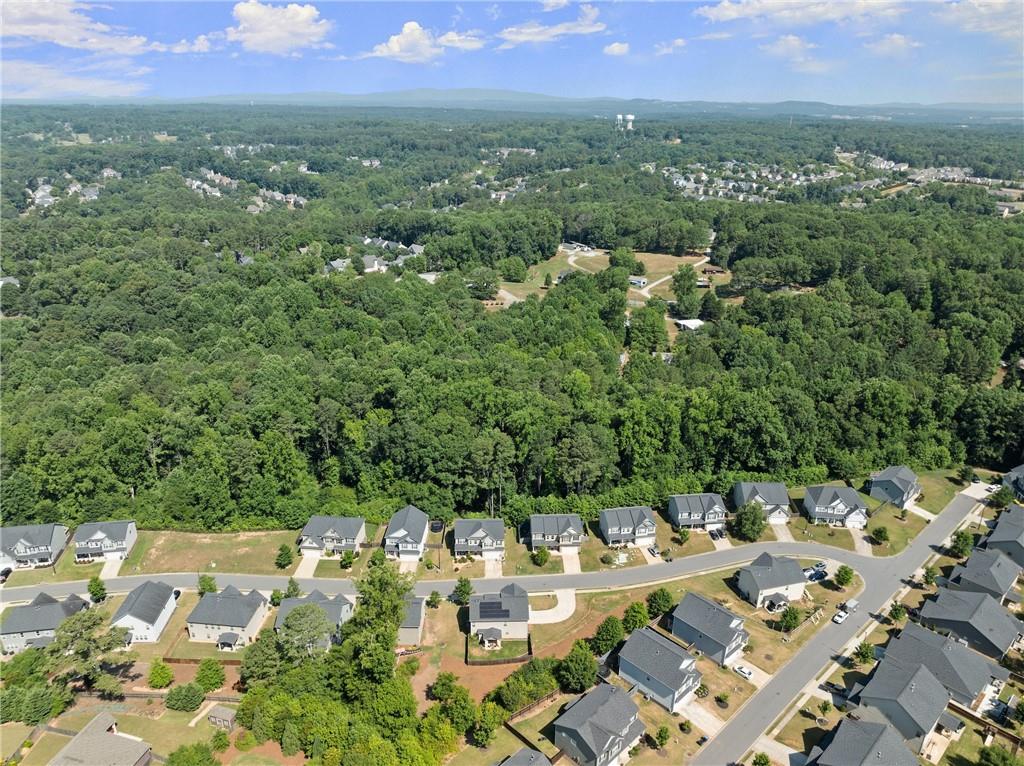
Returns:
<point x="492" y="610"/>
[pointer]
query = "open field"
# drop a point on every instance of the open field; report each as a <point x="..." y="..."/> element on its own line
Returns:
<point x="241" y="552"/>
<point x="65" y="570"/>
<point x="534" y="283"/>
<point x="659" y="266"/>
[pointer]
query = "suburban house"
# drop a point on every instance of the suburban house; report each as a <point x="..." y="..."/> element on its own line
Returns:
<point x="526" y="757"/>
<point x="222" y="717"/>
<point x="332" y="534"/>
<point x="705" y="510"/>
<point x="709" y="627"/>
<point x="977" y="618"/>
<point x="406" y="535"/>
<point x="34" y="625"/>
<point x="1008" y="534"/>
<point x="660" y="668"/>
<point x="907" y="696"/>
<point x="987" y="571"/>
<point x="480" y="537"/>
<point x="497" y="616"/>
<point x="968" y="676"/>
<point x="897" y="485"/>
<point x="771" y="496"/>
<point x="229" y="619"/>
<point x="410" y="630"/>
<point x="1014" y="479"/>
<point x="104" y="540"/>
<point x="836" y="506"/>
<point x="862" y="743"/>
<point x="556" y="530"/>
<point x="599" y="727"/>
<point x="775" y="579"/>
<point x="337" y="609"/>
<point x="32" y="545"/>
<point x="145" y="612"/>
<point x="628" y="526"/>
<point x="100" y="744"/>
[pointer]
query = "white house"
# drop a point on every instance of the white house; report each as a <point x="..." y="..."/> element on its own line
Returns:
<point x="104" y="540"/>
<point x="836" y="506"/>
<point x="229" y="619"/>
<point x="145" y="612"/>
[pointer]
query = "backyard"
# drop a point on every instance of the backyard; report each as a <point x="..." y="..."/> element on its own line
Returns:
<point x="164" y="729"/>
<point x="241" y="552"/>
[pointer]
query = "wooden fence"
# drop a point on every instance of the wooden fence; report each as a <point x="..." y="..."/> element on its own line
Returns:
<point x="533" y="705"/>
<point x="500" y="660"/>
<point x="192" y="661"/>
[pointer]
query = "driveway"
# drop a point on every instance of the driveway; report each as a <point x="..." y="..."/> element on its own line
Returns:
<point x="492" y="568"/>
<point x="570" y="561"/>
<point x="560" y="612"/>
<point x="759" y="677"/>
<point x="723" y="543"/>
<point x="701" y="717"/>
<point x="307" y="565"/>
<point x="110" y="569"/>
<point x="650" y="559"/>
<point x="783" y="533"/>
<point x="779" y="753"/>
<point x="917" y="510"/>
<point x="408" y="567"/>
<point x="861" y="542"/>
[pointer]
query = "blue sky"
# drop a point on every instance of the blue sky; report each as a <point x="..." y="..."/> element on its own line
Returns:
<point x="842" y="51"/>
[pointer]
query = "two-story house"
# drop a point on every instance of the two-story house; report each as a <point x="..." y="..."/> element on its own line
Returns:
<point x="146" y="611"/>
<point x="836" y="506"/>
<point x="1014" y="479"/>
<point x="494" y="617"/>
<point x="229" y="619"/>
<point x="406" y="535"/>
<point x="705" y="510"/>
<point x="771" y="497"/>
<point x="338" y="610"/>
<point x="332" y="534"/>
<point x="32" y="545"/>
<point x="104" y="540"/>
<point x="480" y="537"/>
<point x="1008" y="534"/>
<point x="600" y="727"/>
<point x="34" y="625"/>
<point x="774" y="579"/>
<point x="977" y="618"/>
<point x="709" y="628"/>
<point x="897" y="485"/>
<point x="632" y="526"/>
<point x="661" y="668"/>
<point x="556" y="530"/>
<point x="990" y="571"/>
<point x="862" y="743"/>
<point x="99" y="743"/>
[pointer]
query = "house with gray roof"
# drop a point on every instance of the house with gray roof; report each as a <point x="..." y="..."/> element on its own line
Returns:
<point x="556" y="530"/>
<point x="1014" y="479"/>
<point x="777" y="579"/>
<point x="990" y="571"/>
<point x="337" y="609"/>
<point x="480" y="537"/>
<point x="599" y="726"/>
<point x="332" y="534"/>
<point x="501" y="615"/>
<point x="704" y="510"/>
<point x="231" y="619"/>
<point x="771" y="496"/>
<point x="836" y="506"/>
<point x="526" y="757"/>
<point x="968" y="676"/>
<point x="100" y="744"/>
<point x="862" y="743"/>
<point x="897" y="485"/>
<point x="32" y="545"/>
<point x="104" y="540"/>
<point x="628" y="526"/>
<point x="1008" y="534"/>
<point x="709" y="628"/>
<point x="977" y="618"/>
<point x="406" y="535"/>
<point x="410" y="630"/>
<point x="34" y="625"/>
<point x="907" y="696"/>
<point x="662" y="669"/>
<point x="145" y="611"/>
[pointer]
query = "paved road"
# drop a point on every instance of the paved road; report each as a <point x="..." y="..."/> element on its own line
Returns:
<point x="882" y="578"/>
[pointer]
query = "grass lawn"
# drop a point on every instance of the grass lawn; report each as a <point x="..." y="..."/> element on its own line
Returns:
<point x="966" y="750"/>
<point x="544" y="601"/>
<point x="591" y="609"/>
<point x="65" y="570"/>
<point x="445" y="567"/>
<point x="11" y="735"/>
<point x="46" y="747"/>
<point x="518" y="562"/>
<point x="253" y="759"/>
<point x="330" y="567"/>
<point x="698" y="542"/>
<point x="722" y="680"/>
<point x="938" y="488"/>
<point x="767" y="536"/>
<point x="165" y="733"/>
<point x="534" y="283"/>
<point x="900" y="532"/>
<point x="804" y="531"/>
<point x="502" y="746"/>
<point x="802" y="731"/>
<point x="538" y="728"/>
<point x="241" y="552"/>
<point x="593" y="549"/>
<point x="508" y="649"/>
<point x="680" y="748"/>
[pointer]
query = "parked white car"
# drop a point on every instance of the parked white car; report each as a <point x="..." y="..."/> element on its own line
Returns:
<point x="747" y="673"/>
<point x="840" y="617"/>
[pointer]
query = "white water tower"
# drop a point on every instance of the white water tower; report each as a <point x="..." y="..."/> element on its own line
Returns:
<point x="629" y="122"/>
<point x="618" y="122"/>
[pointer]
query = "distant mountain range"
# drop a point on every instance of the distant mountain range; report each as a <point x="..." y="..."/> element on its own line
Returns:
<point x="509" y="100"/>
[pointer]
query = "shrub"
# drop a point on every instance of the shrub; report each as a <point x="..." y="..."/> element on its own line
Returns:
<point x="207" y="584"/>
<point x="276" y="597"/>
<point x="540" y="557"/>
<point x="686" y="727"/>
<point x="662" y="737"/>
<point x="160" y="675"/>
<point x="348" y="560"/>
<point x="97" y="590"/>
<point x="607" y="559"/>
<point x="284" y="557"/>
<point x="187" y="697"/>
<point x="722" y="699"/>
<point x="219" y="742"/>
<point x="659" y="602"/>
<point x="636" y="616"/>
<point x="210" y="675"/>
<point x="702" y="691"/>
<point x="435" y="599"/>
<point x="245" y="741"/>
<point x="609" y="634"/>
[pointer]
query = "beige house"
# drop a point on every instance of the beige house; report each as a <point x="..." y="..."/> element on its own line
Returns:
<point x="229" y="619"/>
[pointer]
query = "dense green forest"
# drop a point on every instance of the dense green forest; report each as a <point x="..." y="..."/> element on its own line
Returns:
<point x="150" y="373"/>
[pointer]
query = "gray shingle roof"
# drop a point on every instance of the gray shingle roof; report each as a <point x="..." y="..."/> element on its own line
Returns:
<point x="526" y="757"/>
<point x="146" y="602"/>
<point x="332" y="607"/>
<point x="413" y="616"/>
<point x="659" y="657"/>
<point x="987" y="569"/>
<point x="600" y="715"/>
<point x="775" y="571"/>
<point x="223" y="713"/>
<point x="713" y="620"/>
<point x="772" y="492"/>
<point x="555" y="523"/>
<point x="1014" y="479"/>
<point x="112" y="530"/>
<point x="1009" y="526"/>
<point x="696" y="504"/>
<point x="864" y="743"/>
<point x="468" y="529"/>
<point x="912" y="687"/>
<point x="407" y="525"/>
<point x="229" y="607"/>
<point x="32" y="534"/>
<point x="94" y="745"/>
<point x="962" y="671"/>
<point x="899" y="475"/>
<point x="44" y="612"/>
<point x="512" y="601"/>
<point x="627" y="518"/>
<point x="982" y="612"/>
<point x="335" y="526"/>
<point x="824" y="495"/>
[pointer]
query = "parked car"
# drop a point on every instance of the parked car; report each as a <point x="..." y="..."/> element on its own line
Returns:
<point x="653" y="550"/>
<point x="5" y="574"/>
<point x="818" y="576"/>
<point x="992" y="488"/>
<point x="701" y="741"/>
<point x="808" y="572"/>
<point x="745" y="672"/>
<point x="840" y="617"/>
<point x="835" y="688"/>
<point x="436" y="526"/>
<point x="820" y="566"/>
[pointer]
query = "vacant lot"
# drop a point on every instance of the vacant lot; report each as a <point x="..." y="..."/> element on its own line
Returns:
<point x="65" y="570"/>
<point x="242" y="552"/>
<point x="937" y="489"/>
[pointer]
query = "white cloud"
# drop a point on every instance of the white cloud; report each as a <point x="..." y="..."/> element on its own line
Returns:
<point x="535" y="32"/>
<point x="278" y="29"/>
<point x="1001" y="18"/>
<point x="32" y="80"/>
<point x="715" y="36"/>
<point x="797" y="52"/>
<point x="416" y="45"/>
<point x="553" y="5"/>
<point x="805" y="12"/>
<point x="892" y="46"/>
<point x="672" y="46"/>
<point x="616" y="49"/>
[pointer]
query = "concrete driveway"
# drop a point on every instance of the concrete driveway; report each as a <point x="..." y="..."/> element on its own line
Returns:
<point x="722" y="544"/>
<point x="861" y="542"/>
<point x="110" y="568"/>
<point x="570" y="561"/>
<point x="492" y="568"/>
<point x="560" y="612"/>
<point x="759" y="677"/>
<point x="650" y="559"/>
<point x="783" y="533"/>
<point x="702" y="718"/>
<point x="307" y="565"/>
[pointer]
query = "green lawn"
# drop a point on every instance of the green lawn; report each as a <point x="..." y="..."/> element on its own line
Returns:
<point x="165" y="733"/>
<point x="538" y="728"/>
<point x="508" y="649"/>
<point x="900" y="532"/>
<point x="698" y="542"/>
<point x="65" y="570"/>
<point x="938" y="488"/>
<point x="444" y="565"/>
<point x="804" y="531"/>
<point x="253" y="759"/>
<point x="802" y="731"/>
<point x="238" y="552"/>
<point x="46" y="747"/>
<point x="594" y="548"/>
<point x="965" y="751"/>
<point x="502" y="746"/>
<point x="518" y="562"/>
